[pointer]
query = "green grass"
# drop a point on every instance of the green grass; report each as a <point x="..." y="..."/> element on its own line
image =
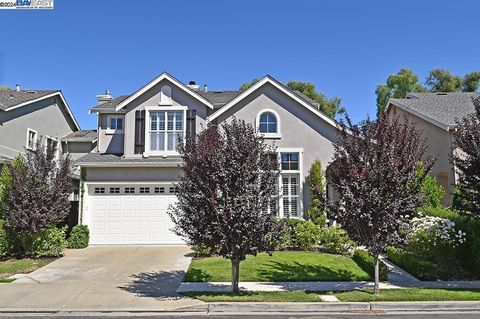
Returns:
<point x="411" y="294"/>
<point x="282" y="266"/>
<point x="408" y="294"/>
<point x="271" y="296"/>
<point x="20" y="266"/>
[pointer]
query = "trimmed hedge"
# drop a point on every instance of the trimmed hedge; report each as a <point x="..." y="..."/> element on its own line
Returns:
<point x="418" y="267"/>
<point x="365" y="261"/>
<point x="4" y="240"/>
<point x="50" y="242"/>
<point x="79" y="237"/>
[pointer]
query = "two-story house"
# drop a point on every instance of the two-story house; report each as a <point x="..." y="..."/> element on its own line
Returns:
<point x="28" y="116"/>
<point x="130" y="179"/>
<point x="435" y="114"/>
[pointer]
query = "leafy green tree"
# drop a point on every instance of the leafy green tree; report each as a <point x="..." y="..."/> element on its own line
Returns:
<point x="316" y="186"/>
<point x="439" y="80"/>
<point x="471" y="82"/>
<point x="432" y="191"/>
<point x="4" y="88"/>
<point x="330" y="107"/>
<point x="245" y="86"/>
<point x="397" y="86"/>
<point x="6" y="183"/>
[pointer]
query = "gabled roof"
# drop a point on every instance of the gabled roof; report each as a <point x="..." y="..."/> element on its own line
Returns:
<point x="440" y="109"/>
<point x="12" y="99"/>
<point x="159" y="78"/>
<point x="268" y="79"/>
<point x="81" y="136"/>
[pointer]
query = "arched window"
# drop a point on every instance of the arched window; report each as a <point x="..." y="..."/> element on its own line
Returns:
<point x="166" y="95"/>
<point x="267" y="123"/>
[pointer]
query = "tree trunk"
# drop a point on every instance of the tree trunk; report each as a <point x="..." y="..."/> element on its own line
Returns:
<point x="376" y="289"/>
<point x="235" y="275"/>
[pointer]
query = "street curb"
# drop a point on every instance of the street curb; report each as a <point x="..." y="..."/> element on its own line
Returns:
<point x="426" y="306"/>
<point x="191" y="309"/>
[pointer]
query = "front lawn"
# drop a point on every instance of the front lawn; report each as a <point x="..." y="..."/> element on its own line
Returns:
<point x="260" y="296"/>
<point x="282" y="266"/>
<point x="411" y="294"/>
<point x="20" y="266"/>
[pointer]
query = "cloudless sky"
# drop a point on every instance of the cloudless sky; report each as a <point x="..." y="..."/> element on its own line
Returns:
<point x="344" y="47"/>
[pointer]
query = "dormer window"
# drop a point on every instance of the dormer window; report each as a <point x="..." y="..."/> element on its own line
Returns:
<point x="268" y="124"/>
<point x="165" y="95"/>
<point x="115" y="124"/>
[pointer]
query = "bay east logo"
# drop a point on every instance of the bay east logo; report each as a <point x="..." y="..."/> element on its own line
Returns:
<point x="34" y="4"/>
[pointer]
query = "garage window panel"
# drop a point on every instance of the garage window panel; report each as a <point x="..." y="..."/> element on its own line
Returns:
<point x="159" y="190"/>
<point x="144" y="190"/>
<point x="173" y="190"/>
<point x="129" y="190"/>
<point x="99" y="190"/>
<point x="114" y="190"/>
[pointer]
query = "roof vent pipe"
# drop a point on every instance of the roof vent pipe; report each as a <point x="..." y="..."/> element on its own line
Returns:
<point x="17" y="87"/>
<point x="205" y="88"/>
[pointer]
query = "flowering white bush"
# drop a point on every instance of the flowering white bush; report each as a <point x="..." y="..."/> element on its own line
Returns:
<point x="434" y="231"/>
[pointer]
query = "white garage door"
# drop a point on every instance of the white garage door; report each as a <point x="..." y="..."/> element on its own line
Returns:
<point x="130" y="215"/>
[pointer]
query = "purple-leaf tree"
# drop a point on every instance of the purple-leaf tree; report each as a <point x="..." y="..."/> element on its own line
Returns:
<point x="375" y="173"/>
<point x="229" y="181"/>
<point x="38" y="194"/>
<point x="467" y="161"/>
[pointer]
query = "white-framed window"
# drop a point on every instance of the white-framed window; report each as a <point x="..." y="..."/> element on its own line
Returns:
<point x="291" y="180"/>
<point x="32" y="136"/>
<point x="291" y="195"/>
<point x="268" y="123"/>
<point x="115" y="124"/>
<point x="166" y="128"/>
<point x="52" y="144"/>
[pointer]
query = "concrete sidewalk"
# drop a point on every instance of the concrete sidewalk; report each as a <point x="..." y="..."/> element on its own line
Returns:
<point x="321" y="286"/>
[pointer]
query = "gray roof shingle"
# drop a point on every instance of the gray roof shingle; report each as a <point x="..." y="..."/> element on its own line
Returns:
<point x="219" y="98"/>
<point x="118" y="160"/>
<point x="110" y="105"/>
<point x="9" y="98"/>
<point x="443" y="108"/>
<point x="81" y="136"/>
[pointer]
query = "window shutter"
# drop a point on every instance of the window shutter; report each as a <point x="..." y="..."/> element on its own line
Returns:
<point x="139" y="132"/>
<point x="191" y="123"/>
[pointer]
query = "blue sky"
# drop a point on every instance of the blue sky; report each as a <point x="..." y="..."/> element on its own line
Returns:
<point x="345" y="48"/>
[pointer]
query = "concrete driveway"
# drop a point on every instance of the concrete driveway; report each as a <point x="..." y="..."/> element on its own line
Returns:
<point x="128" y="278"/>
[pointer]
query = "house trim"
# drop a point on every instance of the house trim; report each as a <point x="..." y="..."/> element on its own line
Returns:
<point x="279" y="86"/>
<point x="34" y="142"/>
<point x="155" y="81"/>
<point x="59" y="93"/>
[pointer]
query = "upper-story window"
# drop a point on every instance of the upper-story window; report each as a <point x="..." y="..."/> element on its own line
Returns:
<point x="52" y="144"/>
<point x="165" y="95"/>
<point x="31" y="139"/>
<point x="268" y="123"/>
<point x="115" y="124"/>
<point x="166" y="130"/>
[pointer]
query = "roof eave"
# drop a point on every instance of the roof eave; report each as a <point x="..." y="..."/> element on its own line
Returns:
<point x="396" y="103"/>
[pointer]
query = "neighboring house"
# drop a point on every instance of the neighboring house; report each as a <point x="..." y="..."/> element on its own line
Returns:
<point x="436" y="114"/>
<point x="27" y="116"/>
<point x="130" y="179"/>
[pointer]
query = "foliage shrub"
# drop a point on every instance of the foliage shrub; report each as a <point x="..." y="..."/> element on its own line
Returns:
<point x="413" y="264"/>
<point x="201" y="251"/>
<point x="468" y="253"/>
<point x="367" y="263"/>
<point x="50" y="242"/>
<point x="5" y="248"/>
<point x="432" y="191"/>
<point x="79" y="237"/>
<point x="335" y="240"/>
<point x="307" y="235"/>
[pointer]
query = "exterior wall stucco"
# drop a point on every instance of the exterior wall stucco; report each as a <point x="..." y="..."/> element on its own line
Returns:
<point x="133" y="174"/>
<point x="45" y="116"/>
<point x="440" y="145"/>
<point x="107" y="142"/>
<point x="299" y="128"/>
